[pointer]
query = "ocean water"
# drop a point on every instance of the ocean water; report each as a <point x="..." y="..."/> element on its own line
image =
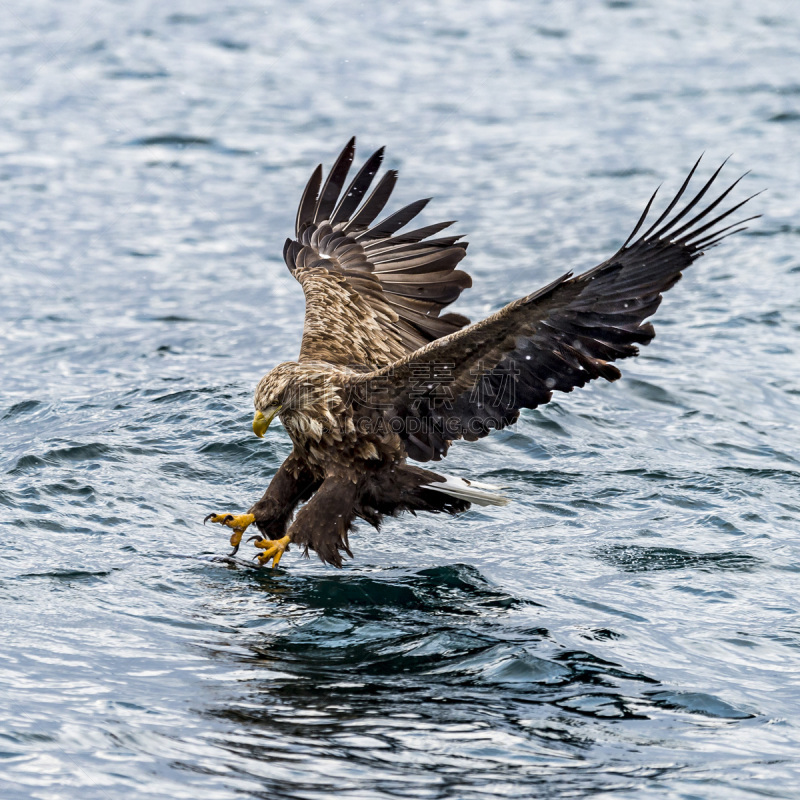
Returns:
<point x="627" y="627"/>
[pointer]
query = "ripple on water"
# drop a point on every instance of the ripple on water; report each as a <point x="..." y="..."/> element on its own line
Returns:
<point x="92" y="451"/>
<point x="457" y="589"/>
<point x="453" y="686"/>
<point x="21" y="408"/>
<point x="635" y="558"/>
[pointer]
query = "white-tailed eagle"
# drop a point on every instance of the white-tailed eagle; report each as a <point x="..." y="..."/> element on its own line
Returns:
<point x="384" y="377"/>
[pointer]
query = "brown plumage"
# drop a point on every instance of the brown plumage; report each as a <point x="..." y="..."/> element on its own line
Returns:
<point x="383" y="376"/>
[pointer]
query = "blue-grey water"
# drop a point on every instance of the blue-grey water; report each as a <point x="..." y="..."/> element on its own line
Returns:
<point x="628" y="627"/>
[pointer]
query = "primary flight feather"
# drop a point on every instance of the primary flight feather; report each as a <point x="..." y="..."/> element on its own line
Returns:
<point x="383" y="376"/>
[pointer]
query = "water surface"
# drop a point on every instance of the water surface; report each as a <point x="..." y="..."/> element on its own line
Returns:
<point x="627" y="627"/>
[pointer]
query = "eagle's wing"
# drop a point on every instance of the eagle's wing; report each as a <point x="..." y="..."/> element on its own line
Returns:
<point x="563" y="336"/>
<point x="372" y="295"/>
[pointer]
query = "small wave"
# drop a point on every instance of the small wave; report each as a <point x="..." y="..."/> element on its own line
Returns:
<point x="236" y="450"/>
<point x="786" y="116"/>
<point x="182" y="142"/>
<point x="174" y="140"/>
<point x="83" y="576"/>
<point x="631" y="172"/>
<point x="602" y="705"/>
<point x="229" y="44"/>
<point x="135" y="74"/>
<point x="632" y="558"/>
<point x="780" y="475"/>
<point x="653" y="393"/>
<point x="91" y="451"/>
<point x="697" y="703"/>
<point x="181" y="395"/>
<point x="80" y="452"/>
<point x="182" y="18"/>
<point x="23" y="407"/>
<point x="26" y="464"/>
<point x="71" y="488"/>
<point x="506" y="665"/>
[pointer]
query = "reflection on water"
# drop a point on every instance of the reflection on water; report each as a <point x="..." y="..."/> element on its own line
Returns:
<point x="627" y="627"/>
<point x="425" y="667"/>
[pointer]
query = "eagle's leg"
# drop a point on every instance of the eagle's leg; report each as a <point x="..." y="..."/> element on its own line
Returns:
<point x="322" y="524"/>
<point x="292" y="484"/>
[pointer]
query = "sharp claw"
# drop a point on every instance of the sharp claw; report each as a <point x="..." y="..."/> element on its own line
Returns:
<point x="238" y="524"/>
<point x="273" y="550"/>
<point x="257" y="536"/>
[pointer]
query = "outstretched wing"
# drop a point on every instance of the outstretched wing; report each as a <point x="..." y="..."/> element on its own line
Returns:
<point x="372" y="295"/>
<point x="562" y="336"/>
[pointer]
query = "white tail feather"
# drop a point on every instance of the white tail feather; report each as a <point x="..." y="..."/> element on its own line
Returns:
<point x="481" y="494"/>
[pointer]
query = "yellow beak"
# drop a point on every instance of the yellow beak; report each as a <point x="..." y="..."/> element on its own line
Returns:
<point x="261" y="422"/>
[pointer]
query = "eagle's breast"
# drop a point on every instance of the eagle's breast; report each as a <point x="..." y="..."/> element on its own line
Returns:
<point x="319" y="418"/>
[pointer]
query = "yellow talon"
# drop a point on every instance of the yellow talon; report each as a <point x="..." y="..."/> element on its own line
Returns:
<point x="273" y="549"/>
<point x="236" y="538"/>
<point x="239" y="524"/>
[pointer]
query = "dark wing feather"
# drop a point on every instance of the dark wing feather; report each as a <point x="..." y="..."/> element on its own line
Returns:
<point x="373" y="205"/>
<point x="351" y="199"/>
<point x="308" y="202"/>
<point x="394" y="222"/>
<point x="372" y="296"/>
<point x="334" y="182"/>
<point x="476" y="380"/>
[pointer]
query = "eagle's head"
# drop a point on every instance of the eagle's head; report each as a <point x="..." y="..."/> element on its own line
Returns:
<point x="275" y="392"/>
<point x="304" y="395"/>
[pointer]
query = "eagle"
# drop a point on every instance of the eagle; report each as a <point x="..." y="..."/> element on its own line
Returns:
<point x="385" y="378"/>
